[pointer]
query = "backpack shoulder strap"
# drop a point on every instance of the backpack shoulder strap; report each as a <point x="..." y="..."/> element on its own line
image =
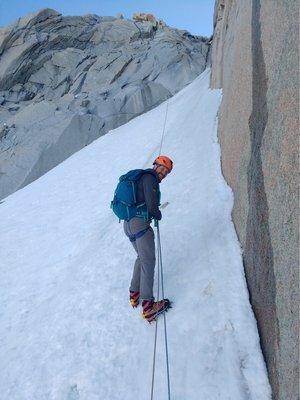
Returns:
<point x="135" y="174"/>
<point x="151" y="172"/>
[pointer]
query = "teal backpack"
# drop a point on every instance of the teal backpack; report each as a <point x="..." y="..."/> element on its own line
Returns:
<point x="124" y="203"/>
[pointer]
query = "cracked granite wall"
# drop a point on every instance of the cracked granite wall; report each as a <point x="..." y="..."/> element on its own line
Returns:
<point x="255" y="61"/>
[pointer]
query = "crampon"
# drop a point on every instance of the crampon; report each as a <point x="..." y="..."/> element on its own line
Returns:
<point x="152" y="309"/>
<point x="134" y="298"/>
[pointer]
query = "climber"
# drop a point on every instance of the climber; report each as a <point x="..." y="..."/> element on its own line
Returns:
<point x="137" y="228"/>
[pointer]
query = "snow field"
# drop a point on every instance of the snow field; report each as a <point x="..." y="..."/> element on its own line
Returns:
<point x="67" y="331"/>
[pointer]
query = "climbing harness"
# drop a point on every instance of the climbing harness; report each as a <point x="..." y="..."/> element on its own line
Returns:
<point x="160" y="281"/>
<point x="138" y="235"/>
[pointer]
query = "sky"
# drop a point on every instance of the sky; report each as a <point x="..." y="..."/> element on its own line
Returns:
<point x="196" y="16"/>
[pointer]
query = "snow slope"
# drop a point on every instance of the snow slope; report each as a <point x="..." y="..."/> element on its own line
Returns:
<point x="67" y="331"/>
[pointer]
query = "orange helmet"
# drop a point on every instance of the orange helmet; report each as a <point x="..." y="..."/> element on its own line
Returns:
<point x="164" y="161"/>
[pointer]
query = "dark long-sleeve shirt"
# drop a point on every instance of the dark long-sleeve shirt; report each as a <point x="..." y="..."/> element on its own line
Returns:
<point x="148" y="192"/>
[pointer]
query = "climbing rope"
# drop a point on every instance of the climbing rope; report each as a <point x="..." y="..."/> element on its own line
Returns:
<point x="164" y="315"/>
<point x="160" y="280"/>
<point x="163" y="133"/>
<point x="156" y="324"/>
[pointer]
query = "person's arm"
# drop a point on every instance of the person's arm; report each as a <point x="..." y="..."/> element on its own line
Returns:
<point x="151" y="189"/>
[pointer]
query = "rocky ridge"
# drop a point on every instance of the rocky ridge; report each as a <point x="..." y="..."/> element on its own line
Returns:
<point x="65" y="81"/>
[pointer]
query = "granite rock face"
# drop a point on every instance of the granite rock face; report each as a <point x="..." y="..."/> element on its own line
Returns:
<point x="65" y="81"/>
<point x="255" y="61"/>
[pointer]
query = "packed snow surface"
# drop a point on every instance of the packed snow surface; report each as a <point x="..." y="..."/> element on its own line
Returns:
<point x="67" y="331"/>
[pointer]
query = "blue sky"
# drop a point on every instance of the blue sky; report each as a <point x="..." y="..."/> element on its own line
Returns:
<point x="193" y="15"/>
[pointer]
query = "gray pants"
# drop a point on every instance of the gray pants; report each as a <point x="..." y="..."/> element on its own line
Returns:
<point x="143" y="271"/>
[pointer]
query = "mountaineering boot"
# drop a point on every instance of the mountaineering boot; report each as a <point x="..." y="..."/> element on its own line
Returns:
<point x="151" y="309"/>
<point x="134" y="298"/>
